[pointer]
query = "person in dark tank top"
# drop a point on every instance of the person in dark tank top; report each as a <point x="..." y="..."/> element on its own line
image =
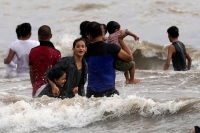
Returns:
<point x="177" y="52"/>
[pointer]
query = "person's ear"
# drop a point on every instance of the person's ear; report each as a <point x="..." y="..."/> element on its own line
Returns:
<point x="73" y="48"/>
<point x="89" y="36"/>
<point x="50" y="36"/>
<point x="39" y="37"/>
<point x="55" y="80"/>
<point x="29" y="34"/>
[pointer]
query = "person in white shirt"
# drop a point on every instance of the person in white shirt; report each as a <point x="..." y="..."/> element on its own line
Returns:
<point x="12" y="66"/>
<point x="21" y="49"/>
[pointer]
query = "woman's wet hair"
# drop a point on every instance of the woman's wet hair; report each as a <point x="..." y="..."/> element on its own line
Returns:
<point x="105" y="28"/>
<point x="77" y="40"/>
<point x="83" y="26"/>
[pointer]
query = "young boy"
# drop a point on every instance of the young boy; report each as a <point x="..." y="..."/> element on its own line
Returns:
<point x="22" y="49"/>
<point x="177" y="52"/>
<point x="128" y="67"/>
<point x="12" y="66"/>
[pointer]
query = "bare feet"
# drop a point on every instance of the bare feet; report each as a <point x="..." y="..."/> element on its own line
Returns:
<point x="135" y="81"/>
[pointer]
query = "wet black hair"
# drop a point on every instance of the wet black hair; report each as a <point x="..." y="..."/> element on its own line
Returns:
<point x="112" y="26"/>
<point x="94" y="29"/>
<point x="105" y="28"/>
<point x="173" y="31"/>
<point x="25" y="29"/>
<point x="44" y="32"/>
<point x="83" y="26"/>
<point x="56" y="73"/>
<point x="18" y="31"/>
<point x="77" y="40"/>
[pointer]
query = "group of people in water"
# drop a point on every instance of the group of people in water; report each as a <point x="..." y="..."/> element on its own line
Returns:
<point x="95" y="60"/>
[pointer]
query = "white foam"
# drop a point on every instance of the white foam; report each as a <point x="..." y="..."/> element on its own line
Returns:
<point x="27" y="115"/>
<point x="65" y="44"/>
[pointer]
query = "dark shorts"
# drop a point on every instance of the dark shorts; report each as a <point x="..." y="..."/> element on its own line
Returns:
<point x="107" y="93"/>
<point x="121" y="65"/>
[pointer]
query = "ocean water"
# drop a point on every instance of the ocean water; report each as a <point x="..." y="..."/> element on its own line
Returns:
<point x="163" y="102"/>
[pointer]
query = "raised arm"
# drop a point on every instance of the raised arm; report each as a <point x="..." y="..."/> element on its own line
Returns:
<point x="125" y="53"/>
<point x="127" y="32"/>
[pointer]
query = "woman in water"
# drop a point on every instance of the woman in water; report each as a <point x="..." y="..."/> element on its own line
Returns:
<point x="76" y="70"/>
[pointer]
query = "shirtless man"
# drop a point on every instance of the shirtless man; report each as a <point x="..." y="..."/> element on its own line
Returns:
<point x="177" y="52"/>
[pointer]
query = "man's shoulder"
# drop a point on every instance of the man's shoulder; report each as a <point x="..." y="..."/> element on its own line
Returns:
<point x="44" y="50"/>
<point x="171" y="48"/>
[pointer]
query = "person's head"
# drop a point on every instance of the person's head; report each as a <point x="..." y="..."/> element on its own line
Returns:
<point x="79" y="47"/>
<point x="104" y="29"/>
<point x="173" y="32"/>
<point x="44" y="33"/>
<point x="83" y="26"/>
<point x="94" y="30"/>
<point x="25" y="30"/>
<point x="58" y="76"/>
<point x="18" y="31"/>
<point x="112" y="26"/>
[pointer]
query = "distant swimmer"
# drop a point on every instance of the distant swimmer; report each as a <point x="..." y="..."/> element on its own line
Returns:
<point x="177" y="52"/>
<point x="22" y="49"/>
<point x="12" y="66"/>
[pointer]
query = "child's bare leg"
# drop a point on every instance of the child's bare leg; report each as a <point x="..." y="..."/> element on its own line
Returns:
<point x="133" y="80"/>
<point x="126" y="74"/>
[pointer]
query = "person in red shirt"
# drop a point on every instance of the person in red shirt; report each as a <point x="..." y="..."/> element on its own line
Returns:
<point x="41" y="58"/>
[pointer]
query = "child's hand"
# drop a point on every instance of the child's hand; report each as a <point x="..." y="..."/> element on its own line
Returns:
<point x="55" y="90"/>
<point x="136" y="38"/>
<point x="75" y="90"/>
